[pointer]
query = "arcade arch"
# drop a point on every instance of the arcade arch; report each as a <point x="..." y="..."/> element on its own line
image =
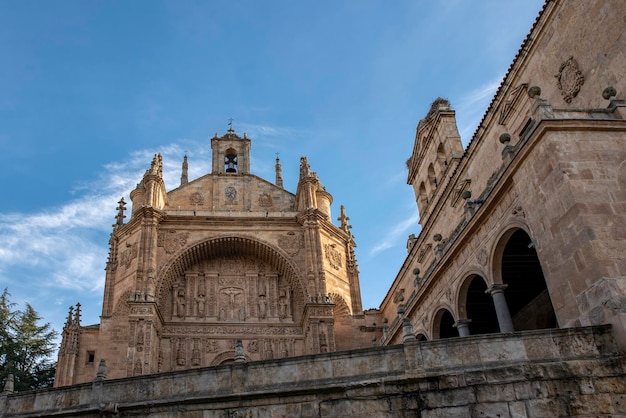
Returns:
<point x="517" y="267"/>
<point x="478" y="305"/>
<point x="443" y="325"/>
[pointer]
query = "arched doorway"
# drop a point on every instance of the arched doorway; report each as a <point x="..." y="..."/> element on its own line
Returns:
<point x="479" y="307"/>
<point x="444" y="325"/>
<point x="526" y="293"/>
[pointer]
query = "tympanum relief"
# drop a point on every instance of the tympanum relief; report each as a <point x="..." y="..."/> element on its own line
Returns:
<point x="231" y="290"/>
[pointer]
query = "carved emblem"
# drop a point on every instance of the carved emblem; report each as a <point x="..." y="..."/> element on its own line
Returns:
<point x="230" y="192"/>
<point x="211" y="346"/>
<point x="172" y="241"/>
<point x="518" y="211"/>
<point x="399" y="297"/>
<point x="265" y="200"/>
<point x="128" y="255"/>
<point x="423" y="252"/>
<point x="196" y="199"/>
<point x="291" y="243"/>
<point x="253" y="346"/>
<point x="333" y="256"/>
<point x="569" y="79"/>
<point x="482" y="256"/>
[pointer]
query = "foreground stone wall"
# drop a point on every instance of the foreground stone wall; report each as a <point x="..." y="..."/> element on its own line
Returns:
<point x="568" y="372"/>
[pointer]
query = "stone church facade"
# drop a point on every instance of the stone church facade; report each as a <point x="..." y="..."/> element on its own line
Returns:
<point x="226" y="259"/>
<point x="232" y="297"/>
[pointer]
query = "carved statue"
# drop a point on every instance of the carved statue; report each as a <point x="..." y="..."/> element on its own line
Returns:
<point x="180" y="355"/>
<point x="180" y="302"/>
<point x="262" y="307"/>
<point x="201" y="301"/>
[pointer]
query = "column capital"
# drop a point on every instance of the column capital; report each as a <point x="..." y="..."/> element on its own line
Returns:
<point x="461" y="323"/>
<point x="496" y="288"/>
<point x="462" y="326"/>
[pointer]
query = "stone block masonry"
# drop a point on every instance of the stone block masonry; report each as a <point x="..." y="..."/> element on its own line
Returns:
<point x="548" y="373"/>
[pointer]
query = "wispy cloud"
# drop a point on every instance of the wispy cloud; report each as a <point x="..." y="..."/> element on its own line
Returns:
<point x="471" y="108"/>
<point x="393" y="236"/>
<point x="65" y="246"/>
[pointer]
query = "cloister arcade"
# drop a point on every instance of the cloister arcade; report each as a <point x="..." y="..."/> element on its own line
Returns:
<point x="511" y="295"/>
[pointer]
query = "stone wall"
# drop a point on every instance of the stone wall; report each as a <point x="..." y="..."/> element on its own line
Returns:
<point x="569" y="372"/>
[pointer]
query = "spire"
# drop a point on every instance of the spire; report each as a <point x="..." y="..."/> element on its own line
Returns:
<point x="183" y="177"/>
<point x="119" y="219"/>
<point x="279" y="173"/>
<point x="156" y="167"/>
<point x="77" y="315"/>
<point x="70" y="317"/>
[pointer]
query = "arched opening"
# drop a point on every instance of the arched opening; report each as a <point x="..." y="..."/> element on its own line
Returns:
<point x="441" y="157"/>
<point x="230" y="160"/>
<point x="423" y="194"/>
<point x="480" y="308"/>
<point x="431" y="175"/>
<point x="444" y="325"/>
<point x="421" y="337"/>
<point x="526" y="293"/>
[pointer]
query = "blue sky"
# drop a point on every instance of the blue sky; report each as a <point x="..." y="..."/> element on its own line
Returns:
<point x="90" y="90"/>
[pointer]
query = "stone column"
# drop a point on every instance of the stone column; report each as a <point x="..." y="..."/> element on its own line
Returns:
<point x="462" y="325"/>
<point x="502" y="309"/>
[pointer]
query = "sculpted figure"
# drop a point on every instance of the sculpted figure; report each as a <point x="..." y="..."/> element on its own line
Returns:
<point x="262" y="307"/>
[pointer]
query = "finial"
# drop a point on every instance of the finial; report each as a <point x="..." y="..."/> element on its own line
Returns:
<point x="102" y="370"/>
<point x="343" y="219"/>
<point x="77" y="314"/>
<point x="70" y="317"/>
<point x="230" y="125"/>
<point x="279" y="172"/>
<point x="184" y="178"/>
<point x="119" y="219"/>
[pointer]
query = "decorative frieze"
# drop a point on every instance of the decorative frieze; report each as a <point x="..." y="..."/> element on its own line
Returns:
<point x="211" y="329"/>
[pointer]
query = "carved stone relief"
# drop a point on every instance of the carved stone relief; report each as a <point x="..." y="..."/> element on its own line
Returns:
<point x="128" y="255"/>
<point x="514" y="96"/>
<point x="569" y="79"/>
<point x="171" y="241"/>
<point x="482" y="257"/>
<point x="518" y="211"/>
<point x="265" y="200"/>
<point x="333" y="256"/>
<point x="234" y="289"/>
<point x="196" y="199"/>
<point x="291" y="243"/>
<point x="423" y="252"/>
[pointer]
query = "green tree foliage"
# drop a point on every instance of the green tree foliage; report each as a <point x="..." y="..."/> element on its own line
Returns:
<point x="26" y="347"/>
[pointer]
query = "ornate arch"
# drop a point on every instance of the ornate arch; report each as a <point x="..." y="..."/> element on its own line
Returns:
<point x="227" y="246"/>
